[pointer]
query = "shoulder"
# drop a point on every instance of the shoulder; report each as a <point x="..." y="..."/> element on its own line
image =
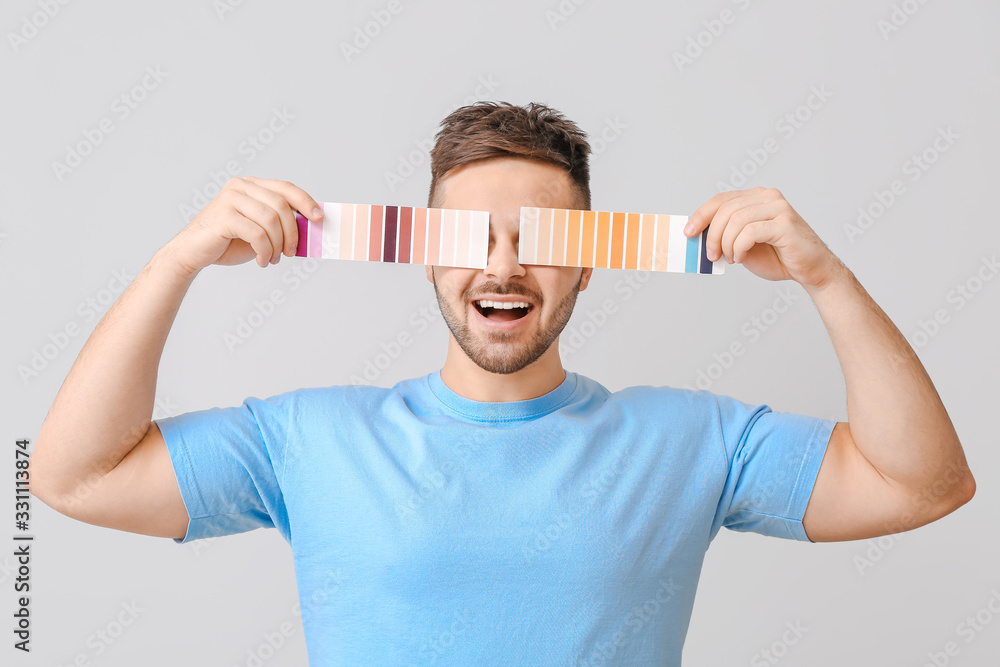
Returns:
<point x="684" y="405"/>
<point x="330" y="398"/>
<point x="661" y="395"/>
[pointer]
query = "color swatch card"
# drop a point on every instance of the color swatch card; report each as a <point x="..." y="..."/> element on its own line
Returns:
<point x="401" y="234"/>
<point x="611" y="240"/>
<point x="547" y="236"/>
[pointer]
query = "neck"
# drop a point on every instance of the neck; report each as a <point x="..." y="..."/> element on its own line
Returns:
<point x="468" y="380"/>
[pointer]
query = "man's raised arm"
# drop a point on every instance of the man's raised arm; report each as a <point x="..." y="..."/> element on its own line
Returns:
<point x="897" y="462"/>
<point x="98" y="457"/>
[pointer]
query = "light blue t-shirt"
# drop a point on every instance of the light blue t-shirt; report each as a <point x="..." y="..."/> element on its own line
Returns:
<point x="430" y="529"/>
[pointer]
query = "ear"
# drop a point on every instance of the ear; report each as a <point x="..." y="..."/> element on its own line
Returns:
<point x="585" y="277"/>
<point x="430" y="273"/>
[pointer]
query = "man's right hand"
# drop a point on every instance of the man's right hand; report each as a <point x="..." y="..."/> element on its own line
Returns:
<point x="250" y="217"/>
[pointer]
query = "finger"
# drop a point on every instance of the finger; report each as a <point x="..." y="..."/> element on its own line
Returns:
<point x="760" y="231"/>
<point x="299" y="200"/>
<point x="721" y="220"/>
<point x="703" y="216"/>
<point x="267" y="241"/>
<point x="241" y="228"/>
<point x="747" y="212"/>
<point x="288" y="231"/>
<point x="296" y="196"/>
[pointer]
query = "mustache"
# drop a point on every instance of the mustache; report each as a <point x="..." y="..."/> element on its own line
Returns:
<point x="503" y="290"/>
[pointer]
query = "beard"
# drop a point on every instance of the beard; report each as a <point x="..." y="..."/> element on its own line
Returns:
<point x="504" y="352"/>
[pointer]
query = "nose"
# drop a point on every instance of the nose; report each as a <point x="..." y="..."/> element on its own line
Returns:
<point x="502" y="263"/>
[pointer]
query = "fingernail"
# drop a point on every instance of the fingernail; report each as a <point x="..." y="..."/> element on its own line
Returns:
<point x="317" y="212"/>
<point x="688" y="228"/>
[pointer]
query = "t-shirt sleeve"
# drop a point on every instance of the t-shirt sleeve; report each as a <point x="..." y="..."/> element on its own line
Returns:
<point x="228" y="464"/>
<point x="773" y="459"/>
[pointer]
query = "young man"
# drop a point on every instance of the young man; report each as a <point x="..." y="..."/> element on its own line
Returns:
<point x="501" y="509"/>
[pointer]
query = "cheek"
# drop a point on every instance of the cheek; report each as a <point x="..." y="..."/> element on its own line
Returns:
<point x="558" y="280"/>
<point x="451" y="282"/>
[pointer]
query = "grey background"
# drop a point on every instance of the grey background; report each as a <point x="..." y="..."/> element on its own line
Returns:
<point x="683" y="130"/>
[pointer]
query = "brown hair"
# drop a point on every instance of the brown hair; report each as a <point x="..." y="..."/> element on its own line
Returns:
<point x="499" y="129"/>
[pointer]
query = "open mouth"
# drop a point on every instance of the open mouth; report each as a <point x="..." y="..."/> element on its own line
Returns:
<point x="501" y="312"/>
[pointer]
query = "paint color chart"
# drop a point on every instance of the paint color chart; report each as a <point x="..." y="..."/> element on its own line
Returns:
<point x="611" y="240"/>
<point x="547" y="236"/>
<point x="401" y="234"/>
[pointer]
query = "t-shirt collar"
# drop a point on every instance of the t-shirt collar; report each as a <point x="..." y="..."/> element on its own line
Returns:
<point x="502" y="411"/>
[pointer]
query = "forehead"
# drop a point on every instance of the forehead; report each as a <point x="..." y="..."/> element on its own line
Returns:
<point x="503" y="185"/>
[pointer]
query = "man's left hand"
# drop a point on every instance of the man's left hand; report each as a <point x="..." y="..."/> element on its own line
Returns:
<point x="759" y="229"/>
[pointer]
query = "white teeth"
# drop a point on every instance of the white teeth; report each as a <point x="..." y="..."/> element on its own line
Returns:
<point x="504" y="305"/>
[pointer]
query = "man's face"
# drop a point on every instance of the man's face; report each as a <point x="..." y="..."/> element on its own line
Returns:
<point x="506" y="340"/>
